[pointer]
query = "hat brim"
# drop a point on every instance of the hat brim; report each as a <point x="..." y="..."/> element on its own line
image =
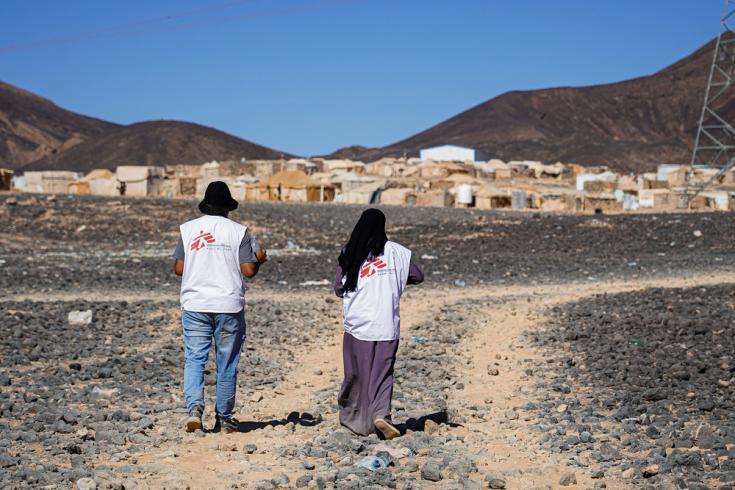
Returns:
<point x="209" y="208"/>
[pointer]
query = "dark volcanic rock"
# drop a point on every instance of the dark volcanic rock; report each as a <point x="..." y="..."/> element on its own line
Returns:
<point x="630" y="351"/>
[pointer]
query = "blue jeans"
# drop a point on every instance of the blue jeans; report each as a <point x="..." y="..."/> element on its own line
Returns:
<point x="228" y="330"/>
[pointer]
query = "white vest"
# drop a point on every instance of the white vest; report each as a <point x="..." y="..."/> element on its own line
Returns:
<point x="212" y="280"/>
<point x="372" y="311"/>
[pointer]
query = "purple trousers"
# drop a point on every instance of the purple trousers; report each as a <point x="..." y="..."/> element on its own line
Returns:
<point x="367" y="389"/>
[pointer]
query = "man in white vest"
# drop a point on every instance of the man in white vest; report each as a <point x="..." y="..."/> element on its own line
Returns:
<point x="212" y="255"/>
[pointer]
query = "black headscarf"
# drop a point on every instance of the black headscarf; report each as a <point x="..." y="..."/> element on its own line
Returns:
<point x="368" y="238"/>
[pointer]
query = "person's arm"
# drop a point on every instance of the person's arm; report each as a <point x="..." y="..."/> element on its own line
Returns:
<point x="415" y="274"/>
<point x="339" y="288"/>
<point x="250" y="260"/>
<point x="179" y="258"/>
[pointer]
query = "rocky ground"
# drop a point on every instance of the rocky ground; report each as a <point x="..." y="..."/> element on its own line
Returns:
<point x="644" y="385"/>
<point x="543" y="351"/>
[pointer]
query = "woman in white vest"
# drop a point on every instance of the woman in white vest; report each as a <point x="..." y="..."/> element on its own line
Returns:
<point x="371" y="277"/>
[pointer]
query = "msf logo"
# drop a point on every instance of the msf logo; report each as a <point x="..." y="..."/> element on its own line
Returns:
<point x="372" y="267"/>
<point x="201" y="240"/>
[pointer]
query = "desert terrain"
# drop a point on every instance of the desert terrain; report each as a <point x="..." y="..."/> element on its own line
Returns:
<point x="542" y="351"/>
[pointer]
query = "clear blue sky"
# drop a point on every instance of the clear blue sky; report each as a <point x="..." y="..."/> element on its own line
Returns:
<point x="309" y="76"/>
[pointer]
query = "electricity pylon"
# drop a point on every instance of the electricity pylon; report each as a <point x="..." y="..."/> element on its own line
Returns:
<point x="714" y="145"/>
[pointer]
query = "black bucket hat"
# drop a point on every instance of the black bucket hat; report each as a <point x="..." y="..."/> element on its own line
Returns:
<point x="217" y="199"/>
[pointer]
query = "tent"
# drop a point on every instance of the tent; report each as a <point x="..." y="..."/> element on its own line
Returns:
<point x="292" y="186"/>
<point x="50" y="181"/>
<point x="141" y="181"/>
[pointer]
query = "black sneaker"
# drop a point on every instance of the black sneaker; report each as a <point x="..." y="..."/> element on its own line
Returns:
<point x="228" y="425"/>
<point x="194" y="421"/>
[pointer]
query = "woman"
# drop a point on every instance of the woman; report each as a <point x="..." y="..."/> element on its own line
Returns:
<point x="371" y="276"/>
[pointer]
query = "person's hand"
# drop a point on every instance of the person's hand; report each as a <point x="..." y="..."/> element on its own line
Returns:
<point x="262" y="256"/>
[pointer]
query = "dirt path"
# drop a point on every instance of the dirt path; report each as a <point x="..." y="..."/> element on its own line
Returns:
<point x="502" y="442"/>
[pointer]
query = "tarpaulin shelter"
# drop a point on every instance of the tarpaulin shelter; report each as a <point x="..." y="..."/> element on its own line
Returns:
<point x="291" y="186"/>
<point x="49" y="181"/>
<point x="141" y="180"/>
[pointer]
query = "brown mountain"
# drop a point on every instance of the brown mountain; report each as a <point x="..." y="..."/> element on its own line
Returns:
<point x="630" y="125"/>
<point x="154" y="143"/>
<point x="32" y="127"/>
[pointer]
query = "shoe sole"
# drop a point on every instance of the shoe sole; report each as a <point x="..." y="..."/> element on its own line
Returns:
<point x="389" y="431"/>
<point x="193" y="424"/>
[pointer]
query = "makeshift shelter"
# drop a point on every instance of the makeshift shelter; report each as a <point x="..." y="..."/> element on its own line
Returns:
<point x="387" y="167"/>
<point x="602" y="203"/>
<point x="301" y="165"/>
<point x="629" y="183"/>
<point x="649" y="180"/>
<point x="560" y="200"/>
<point x="496" y="169"/>
<point x="717" y="200"/>
<point x="438" y="198"/>
<point x="434" y="170"/>
<point x="18" y="183"/>
<point x="700" y="175"/>
<point x="456" y="180"/>
<point x="6" y="177"/>
<point x="78" y="187"/>
<point x="346" y="181"/>
<point x="583" y="179"/>
<point x="660" y="199"/>
<point x="490" y="197"/>
<point x="293" y="186"/>
<point x="343" y="166"/>
<point x="50" y="181"/>
<point x="99" y="182"/>
<point x="369" y="193"/>
<point x="539" y="170"/>
<point x="140" y="181"/>
<point x="398" y="196"/>
<point x="211" y="169"/>
<point x="189" y="171"/>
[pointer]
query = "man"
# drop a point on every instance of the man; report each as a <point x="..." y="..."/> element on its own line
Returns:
<point x="212" y="255"/>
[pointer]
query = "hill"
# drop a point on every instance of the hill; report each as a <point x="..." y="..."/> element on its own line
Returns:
<point x="154" y="143"/>
<point x="32" y="127"/>
<point x="630" y="126"/>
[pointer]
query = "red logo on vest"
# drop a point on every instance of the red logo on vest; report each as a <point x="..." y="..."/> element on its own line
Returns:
<point x="201" y="240"/>
<point x="372" y="267"/>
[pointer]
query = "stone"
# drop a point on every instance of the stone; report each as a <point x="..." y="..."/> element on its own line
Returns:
<point x="495" y="482"/>
<point x="78" y="317"/>
<point x="430" y="427"/>
<point x="251" y="448"/>
<point x="431" y="471"/>
<point x="303" y="481"/>
<point x="705" y="437"/>
<point x="86" y="484"/>
<point x="569" y="478"/>
<point x="649" y="470"/>
<point x="281" y="480"/>
<point x="628" y="473"/>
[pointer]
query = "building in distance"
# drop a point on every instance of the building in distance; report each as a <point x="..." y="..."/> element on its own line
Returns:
<point x="453" y="153"/>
